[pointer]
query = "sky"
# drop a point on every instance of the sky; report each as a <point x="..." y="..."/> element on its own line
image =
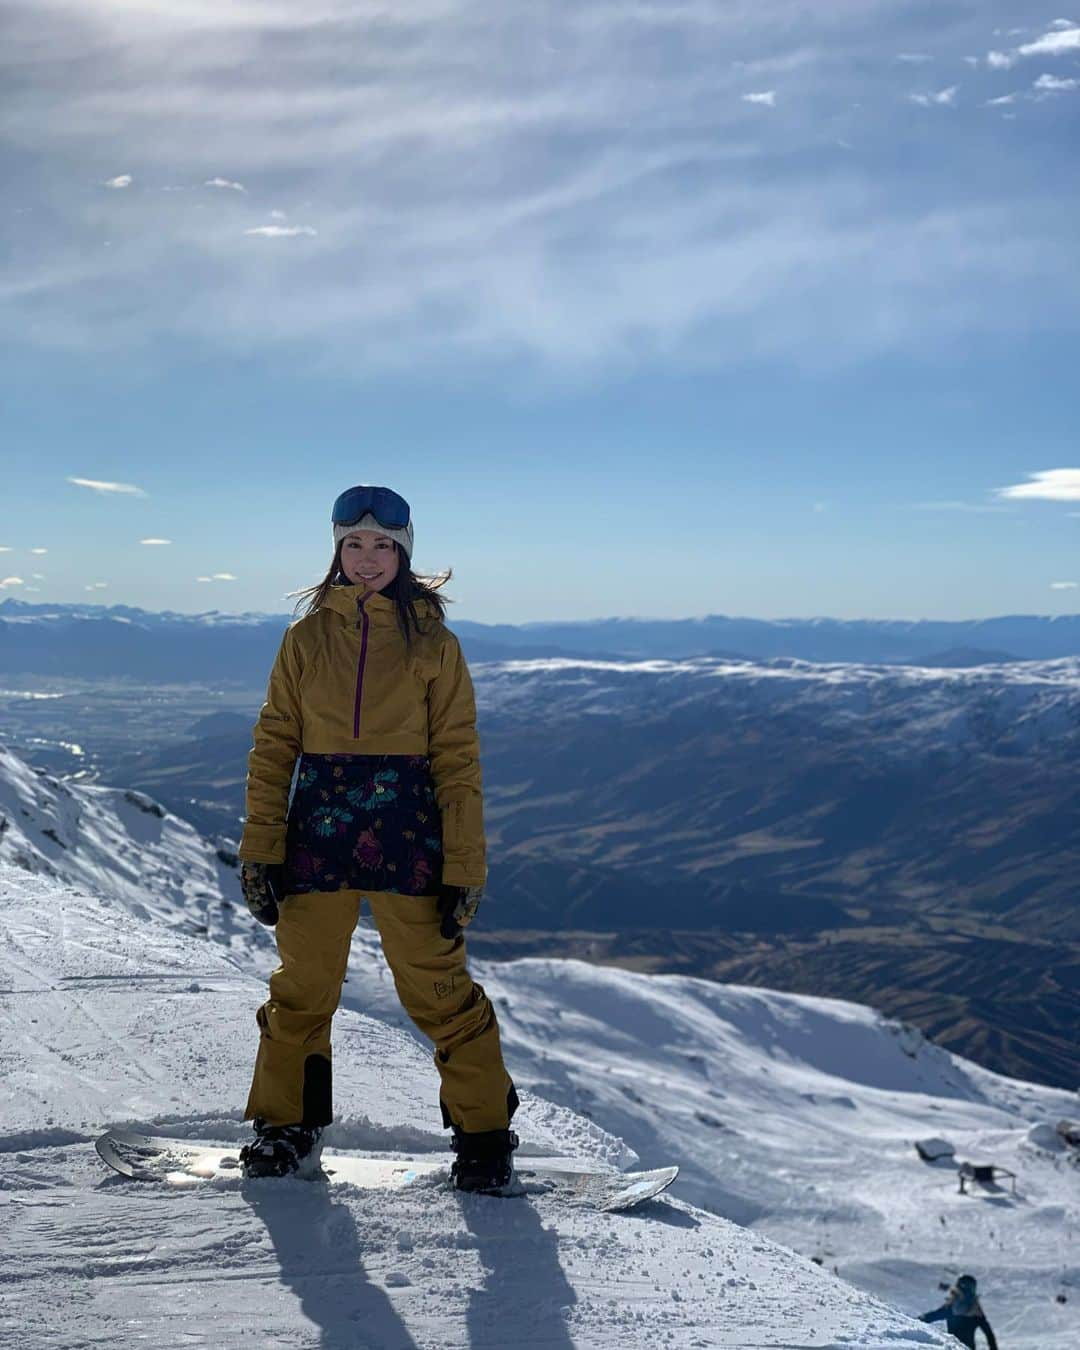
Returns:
<point x="663" y="309"/>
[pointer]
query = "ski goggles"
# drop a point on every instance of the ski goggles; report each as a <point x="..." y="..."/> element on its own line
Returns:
<point x="386" y="506"/>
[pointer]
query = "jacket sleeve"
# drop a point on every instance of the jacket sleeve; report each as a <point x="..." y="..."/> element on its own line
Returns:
<point x="984" y="1327"/>
<point x="938" y="1315"/>
<point x="454" y="751"/>
<point x="278" y="737"/>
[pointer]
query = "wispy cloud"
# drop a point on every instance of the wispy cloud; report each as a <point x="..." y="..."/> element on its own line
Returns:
<point x="123" y="180"/>
<point x="155" y="541"/>
<point x="97" y="486"/>
<point x="39" y="550"/>
<point x="225" y="576"/>
<point x="1050" y="485"/>
<point x="485" y="192"/>
<point x="6" y="548"/>
<point x="96" y="586"/>
<point x="282" y="231"/>
<point x="944" y="98"/>
<point x="1062" y="39"/>
<point x="1055" y="84"/>
<point x="1064" y="585"/>
<point x="11" y="581"/>
<point x="977" y="508"/>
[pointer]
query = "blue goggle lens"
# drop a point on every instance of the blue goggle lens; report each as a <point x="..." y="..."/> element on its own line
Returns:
<point x="386" y="506"/>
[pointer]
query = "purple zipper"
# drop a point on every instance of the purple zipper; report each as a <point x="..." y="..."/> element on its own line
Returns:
<point x="361" y="622"/>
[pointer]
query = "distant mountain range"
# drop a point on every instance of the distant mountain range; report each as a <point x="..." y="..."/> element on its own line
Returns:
<point x="898" y="833"/>
<point x="167" y="646"/>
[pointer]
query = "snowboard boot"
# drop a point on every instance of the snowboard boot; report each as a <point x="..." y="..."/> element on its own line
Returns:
<point x="278" y="1150"/>
<point x="484" y="1161"/>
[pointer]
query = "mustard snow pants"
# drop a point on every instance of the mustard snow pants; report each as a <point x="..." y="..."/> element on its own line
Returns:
<point x="292" y="1081"/>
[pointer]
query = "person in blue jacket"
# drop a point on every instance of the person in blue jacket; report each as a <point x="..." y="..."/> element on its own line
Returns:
<point x="962" y="1314"/>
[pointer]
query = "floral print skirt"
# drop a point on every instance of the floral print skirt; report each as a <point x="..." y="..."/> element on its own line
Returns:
<point x="366" y="823"/>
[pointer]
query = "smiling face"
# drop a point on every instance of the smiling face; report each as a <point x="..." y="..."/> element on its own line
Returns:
<point x="369" y="559"/>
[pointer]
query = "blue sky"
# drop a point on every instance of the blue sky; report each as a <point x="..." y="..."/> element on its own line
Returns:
<point x="648" y="308"/>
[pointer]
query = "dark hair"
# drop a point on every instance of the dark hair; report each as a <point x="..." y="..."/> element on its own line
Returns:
<point x="405" y="589"/>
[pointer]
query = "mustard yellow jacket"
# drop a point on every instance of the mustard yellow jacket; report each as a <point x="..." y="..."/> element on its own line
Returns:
<point x="343" y="683"/>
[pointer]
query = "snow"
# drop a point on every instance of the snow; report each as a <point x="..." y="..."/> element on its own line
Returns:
<point x="111" y="1017"/>
<point x="128" y="985"/>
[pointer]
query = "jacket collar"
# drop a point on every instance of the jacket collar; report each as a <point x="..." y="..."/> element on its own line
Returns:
<point x="344" y="600"/>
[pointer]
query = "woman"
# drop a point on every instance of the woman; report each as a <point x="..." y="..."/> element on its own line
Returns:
<point x="371" y="690"/>
<point x="962" y="1314"/>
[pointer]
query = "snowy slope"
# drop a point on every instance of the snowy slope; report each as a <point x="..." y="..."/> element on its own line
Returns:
<point x="118" y="844"/>
<point x="794" y="1115"/>
<point x="799" y="1116"/>
<point x="110" y="1016"/>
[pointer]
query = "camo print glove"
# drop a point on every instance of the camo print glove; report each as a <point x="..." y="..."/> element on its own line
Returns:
<point x="261" y="884"/>
<point x="457" y="908"/>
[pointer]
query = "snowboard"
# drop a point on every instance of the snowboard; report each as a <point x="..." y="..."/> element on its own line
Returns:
<point x="187" y="1162"/>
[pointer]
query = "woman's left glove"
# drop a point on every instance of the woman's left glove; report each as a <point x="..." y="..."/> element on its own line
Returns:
<point x="457" y="908"/>
<point x="261" y="884"/>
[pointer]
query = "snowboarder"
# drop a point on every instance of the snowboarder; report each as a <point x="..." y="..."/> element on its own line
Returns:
<point x="371" y="691"/>
<point x="962" y="1314"/>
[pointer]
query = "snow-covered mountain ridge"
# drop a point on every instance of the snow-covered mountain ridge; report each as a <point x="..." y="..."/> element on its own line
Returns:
<point x="910" y="709"/>
<point x="114" y="1018"/>
<point x="117" y="843"/>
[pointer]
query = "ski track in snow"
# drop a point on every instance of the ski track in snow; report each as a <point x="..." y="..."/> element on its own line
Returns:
<point x="131" y="1023"/>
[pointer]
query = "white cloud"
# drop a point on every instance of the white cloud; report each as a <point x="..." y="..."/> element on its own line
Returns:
<point x="38" y="576"/>
<point x="96" y="586"/>
<point x="224" y="183"/>
<point x="1058" y="42"/>
<point x="224" y="576"/>
<point x="644" y="218"/>
<point x="39" y="550"/>
<point x="1052" y="485"/>
<point x="277" y="215"/>
<point x="99" y="486"/>
<point x="204" y="578"/>
<point x="767" y="98"/>
<point x="155" y="541"/>
<point x="997" y="102"/>
<point x="11" y="581"/>
<point x="977" y="508"/>
<point x="282" y="231"/>
<point x="944" y="98"/>
<point x="1064" y="585"/>
<point x="1000" y="60"/>
<point x="123" y="180"/>
<point x="6" y="548"/>
<point x="1054" y="84"/>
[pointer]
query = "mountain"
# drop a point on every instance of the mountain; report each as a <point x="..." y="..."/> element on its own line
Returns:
<point x="118" y="842"/>
<point x="903" y="836"/>
<point x="118" y="1019"/>
<point x="167" y="647"/>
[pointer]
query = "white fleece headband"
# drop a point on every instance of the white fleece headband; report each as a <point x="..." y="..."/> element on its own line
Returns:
<point x="403" y="537"/>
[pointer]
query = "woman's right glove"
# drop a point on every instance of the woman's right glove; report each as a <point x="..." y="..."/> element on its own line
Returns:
<point x="457" y="908"/>
<point x="261" y="884"/>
